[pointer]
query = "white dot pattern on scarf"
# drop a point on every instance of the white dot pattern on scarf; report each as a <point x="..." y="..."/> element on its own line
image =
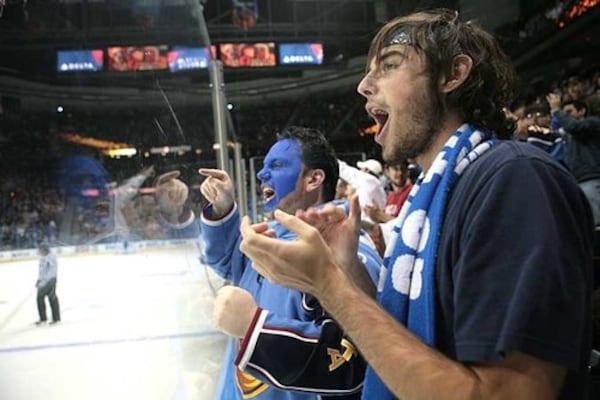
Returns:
<point x="407" y="286"/>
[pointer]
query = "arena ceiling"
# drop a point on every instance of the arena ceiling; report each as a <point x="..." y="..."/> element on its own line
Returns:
<point x="31" y="31"/>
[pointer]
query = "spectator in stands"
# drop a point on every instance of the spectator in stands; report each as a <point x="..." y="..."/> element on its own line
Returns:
<point x="534" y="128"/>
<point x="575" y="89"/>
<point x="475" y="280"/>
<point x="300" y="170"/>
<point x="414" y="170"/>
<point x="371" y="166"/>
<point x="365" y="181"/>
<point x="400" y="186"/>
<point x="583" y="146"/>
<point x="46" y="284"/>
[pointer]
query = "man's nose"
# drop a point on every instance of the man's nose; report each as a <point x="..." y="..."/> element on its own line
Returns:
<point x="366" y="87"/>
<point x="263" y="174"/>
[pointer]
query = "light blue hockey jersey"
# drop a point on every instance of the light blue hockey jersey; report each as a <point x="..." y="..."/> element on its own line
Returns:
<point x="293" y="350"/>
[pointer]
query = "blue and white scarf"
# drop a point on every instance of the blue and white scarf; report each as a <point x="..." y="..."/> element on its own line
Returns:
<point x="407" y="284"/>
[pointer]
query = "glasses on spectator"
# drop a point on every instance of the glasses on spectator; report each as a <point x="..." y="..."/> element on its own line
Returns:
<point x="536" y="115"/>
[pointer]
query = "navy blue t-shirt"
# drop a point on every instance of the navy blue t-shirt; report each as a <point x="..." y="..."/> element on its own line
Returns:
<point x="514" y="268"/>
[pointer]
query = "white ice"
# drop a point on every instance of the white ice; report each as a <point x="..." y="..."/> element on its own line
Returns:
<point x="134" y="326"/>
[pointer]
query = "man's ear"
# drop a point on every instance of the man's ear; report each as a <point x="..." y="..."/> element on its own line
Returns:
<point x="314" y="179"/>
<point x="461" y="68"/>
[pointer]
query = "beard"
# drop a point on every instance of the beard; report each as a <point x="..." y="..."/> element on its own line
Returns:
<point x="413" y="130"/>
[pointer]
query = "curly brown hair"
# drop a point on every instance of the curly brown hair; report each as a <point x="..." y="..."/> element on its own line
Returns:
<point x="440" y="36"/>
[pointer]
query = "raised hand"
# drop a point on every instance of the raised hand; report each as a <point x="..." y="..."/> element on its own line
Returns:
<point x="340" y="231"/>
<point x="218" y="190"/>
<point x="301" y="264"/>
<point x="233" y="311"/>
<point x="171" y="195"/>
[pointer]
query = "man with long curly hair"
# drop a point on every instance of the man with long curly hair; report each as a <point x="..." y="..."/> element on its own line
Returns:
<point x="488" y="271"/>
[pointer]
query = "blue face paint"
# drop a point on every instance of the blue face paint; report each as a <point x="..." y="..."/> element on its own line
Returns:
<point x="282" y="166"/>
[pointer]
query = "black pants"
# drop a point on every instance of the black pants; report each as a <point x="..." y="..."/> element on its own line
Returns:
<point x="49" y="290"/>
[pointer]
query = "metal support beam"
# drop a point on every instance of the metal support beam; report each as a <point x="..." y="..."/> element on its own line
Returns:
<point x="253" y="199"/>
<point x="240" y="181"/>
<point x="215" y="71"/>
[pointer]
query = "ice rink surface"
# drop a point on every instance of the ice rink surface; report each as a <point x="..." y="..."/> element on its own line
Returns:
<point x="134" y="326"/>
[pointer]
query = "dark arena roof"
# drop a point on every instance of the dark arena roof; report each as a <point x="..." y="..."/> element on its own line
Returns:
<point x="548" y="43"/>
<point x="33" y="31"/>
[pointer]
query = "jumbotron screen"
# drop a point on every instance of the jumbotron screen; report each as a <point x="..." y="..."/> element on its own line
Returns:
<point x="301" y="53"/>
<point x="79" y="60"/>
<point x="248" y="54"/>
<point x="189" y="58"/>
<point x="137" y="58"/>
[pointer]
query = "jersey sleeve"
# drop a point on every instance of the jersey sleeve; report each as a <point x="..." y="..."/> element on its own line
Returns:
<point x="221" y="240"/>
<point x="310" y="356"/>
<point x="189" y="228"/>
<point x="585" y="128"/>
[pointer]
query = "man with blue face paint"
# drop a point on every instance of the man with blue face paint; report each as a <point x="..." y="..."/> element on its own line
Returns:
<point x="280" y="172"/>
<point x="287" y="347"/>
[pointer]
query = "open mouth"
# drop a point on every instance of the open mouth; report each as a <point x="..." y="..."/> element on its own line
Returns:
<point x="381" y="118"/>
<point x="268" y="194"/>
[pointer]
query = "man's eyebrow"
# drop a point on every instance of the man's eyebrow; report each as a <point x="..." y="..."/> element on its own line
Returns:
<point x="387" y="55"/>
<point x="392" y="53"/>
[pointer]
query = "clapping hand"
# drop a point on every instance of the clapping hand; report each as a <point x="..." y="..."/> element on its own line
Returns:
<point x="300" y="264"/>
<point x="339" y="230"/>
